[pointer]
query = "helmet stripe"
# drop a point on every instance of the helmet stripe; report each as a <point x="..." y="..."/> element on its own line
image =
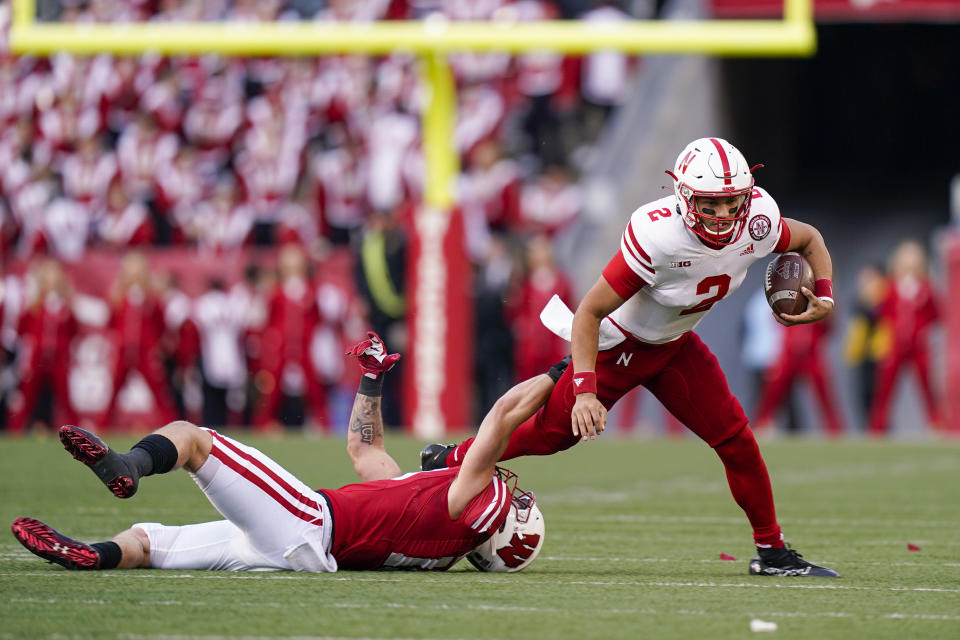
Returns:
<point x="724" y="161"/>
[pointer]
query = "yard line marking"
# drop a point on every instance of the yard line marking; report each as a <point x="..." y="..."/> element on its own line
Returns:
<point x="719" y="561"/>
<point x="918" y="616"/>
<point x="857" y="522"/>
<point x="139" y="636"/>
<point x="112" y="575"/>
<point x="695" y="484"/>
<point x="748" y="585"/>
<point x="498" y="608"/>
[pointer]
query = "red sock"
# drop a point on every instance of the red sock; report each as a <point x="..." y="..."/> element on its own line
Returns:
<point x="455" y="457"/>
<point x="530" y="439"/>
<point x="750" y="486"/>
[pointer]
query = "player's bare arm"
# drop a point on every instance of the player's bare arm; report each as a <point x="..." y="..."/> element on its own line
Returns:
<point x="806" y="240"/>
<point x="507" y="413"/>
<point x="365" y="441"/>
<point x="365" y="431"/>
<point x="589" y="417"/>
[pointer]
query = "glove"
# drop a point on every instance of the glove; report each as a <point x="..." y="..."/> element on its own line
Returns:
<point x="372" y="356"/>
<point x="557" y="370"/>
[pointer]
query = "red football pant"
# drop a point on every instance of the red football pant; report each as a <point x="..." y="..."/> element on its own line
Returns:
<point x="784" y="374"/>
<point x="887" y="371"/>
<point x="686" y="377"/>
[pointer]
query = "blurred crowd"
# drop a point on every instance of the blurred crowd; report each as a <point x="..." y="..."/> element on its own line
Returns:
<point x="887" y="336"/>
<point x="201" y="236"/>
<point x="313" y="157"/>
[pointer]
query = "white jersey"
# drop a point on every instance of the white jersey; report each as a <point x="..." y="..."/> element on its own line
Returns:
<point x="682" y="277"/>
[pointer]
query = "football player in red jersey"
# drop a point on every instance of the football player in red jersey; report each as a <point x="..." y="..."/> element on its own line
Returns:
<point x="423" y="520"/>
<point x="678" y="256"/>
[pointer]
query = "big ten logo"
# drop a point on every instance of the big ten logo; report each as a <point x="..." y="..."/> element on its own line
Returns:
<point x="659" y="213"/>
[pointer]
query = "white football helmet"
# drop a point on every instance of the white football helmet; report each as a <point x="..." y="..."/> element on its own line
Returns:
<point x="714" y="168"/>
<point x="518" y="541"/>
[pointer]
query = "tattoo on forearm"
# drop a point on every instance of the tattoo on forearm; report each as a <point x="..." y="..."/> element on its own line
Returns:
<point x="366" y="419"/>
<point x="366" y="432"/>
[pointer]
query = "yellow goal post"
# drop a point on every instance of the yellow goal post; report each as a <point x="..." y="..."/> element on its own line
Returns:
<point x="431" y="40"/>
<point x="439" y="381"/>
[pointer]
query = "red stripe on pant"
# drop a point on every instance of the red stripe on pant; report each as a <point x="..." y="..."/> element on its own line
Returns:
<point x="263" y="486"/>
<point x="299" y="497"/>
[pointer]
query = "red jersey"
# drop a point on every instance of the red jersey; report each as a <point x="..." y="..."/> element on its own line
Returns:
<point x="404" y="522"/>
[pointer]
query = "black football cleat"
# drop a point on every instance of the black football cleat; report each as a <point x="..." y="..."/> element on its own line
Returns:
<point x="786" y="562"/>
<point x="434" y="456"/>
<point x="109" y="466"/>
<point x="51" y="545"/>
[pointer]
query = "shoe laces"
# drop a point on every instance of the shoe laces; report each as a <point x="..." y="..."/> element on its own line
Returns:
<point x="787" y="554"/>
<point x="793" y="552"/>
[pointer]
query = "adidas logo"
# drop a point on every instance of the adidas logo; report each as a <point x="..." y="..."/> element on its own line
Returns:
<point x="578" y="381"/>
<point x="747" y="251"/>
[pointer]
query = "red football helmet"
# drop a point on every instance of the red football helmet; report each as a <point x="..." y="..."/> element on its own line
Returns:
<point x="712" y="168"/>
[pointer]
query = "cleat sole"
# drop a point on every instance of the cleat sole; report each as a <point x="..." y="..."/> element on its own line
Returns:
<point x="122" y="487"/>
<point x="41" y="540"/>
<point x="82" y="446"/>
<point x="91" y="451"/>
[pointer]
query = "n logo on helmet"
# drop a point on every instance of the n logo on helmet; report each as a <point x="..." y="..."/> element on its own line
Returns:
<point x="519" y="550"/>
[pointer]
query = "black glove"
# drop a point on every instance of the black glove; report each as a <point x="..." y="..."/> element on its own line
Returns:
<point x="557" y="370"/>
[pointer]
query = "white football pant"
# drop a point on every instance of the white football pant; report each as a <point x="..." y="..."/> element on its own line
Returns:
<point x="274" y="521"/>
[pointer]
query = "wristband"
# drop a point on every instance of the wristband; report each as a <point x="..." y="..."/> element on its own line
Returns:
<point x="823" y="288"/>
<point x="371" y="387"/>
<point x="584" y="382"/>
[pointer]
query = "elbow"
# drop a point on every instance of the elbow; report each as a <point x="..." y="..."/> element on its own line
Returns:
<point x="816" y="238"/>
<point x="355" y="451"/>
<point x="589" y="315"/>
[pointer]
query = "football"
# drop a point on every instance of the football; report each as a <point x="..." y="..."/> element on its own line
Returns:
<point x="781" y="284"/>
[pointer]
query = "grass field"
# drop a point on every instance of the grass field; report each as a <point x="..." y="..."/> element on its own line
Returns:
<point x="635" y="529"/>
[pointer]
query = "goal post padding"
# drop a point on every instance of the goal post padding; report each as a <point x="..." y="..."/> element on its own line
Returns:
<point x="951" y="311"/>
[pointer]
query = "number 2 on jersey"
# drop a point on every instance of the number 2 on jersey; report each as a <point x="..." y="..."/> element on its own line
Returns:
<point x="705" y="286"/>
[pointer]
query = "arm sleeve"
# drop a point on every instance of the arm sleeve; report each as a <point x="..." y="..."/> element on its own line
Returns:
<point x="624" y="280"/>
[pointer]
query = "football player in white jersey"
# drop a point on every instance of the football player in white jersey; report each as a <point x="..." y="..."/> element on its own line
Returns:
<point x="679" y="256"/>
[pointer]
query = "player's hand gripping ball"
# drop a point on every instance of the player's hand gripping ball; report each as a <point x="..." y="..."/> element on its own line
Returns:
<point x="785" y="275"/>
